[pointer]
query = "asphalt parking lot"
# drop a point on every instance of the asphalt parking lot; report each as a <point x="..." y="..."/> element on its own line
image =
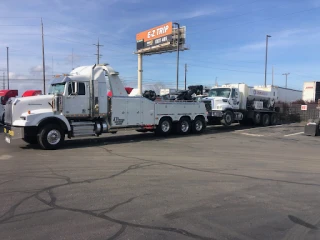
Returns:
<point x="236" y="183"/>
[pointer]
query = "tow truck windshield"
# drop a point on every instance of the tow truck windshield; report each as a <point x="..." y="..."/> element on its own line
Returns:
<point x="56" y="88"/>
<point x="219" y="92"/>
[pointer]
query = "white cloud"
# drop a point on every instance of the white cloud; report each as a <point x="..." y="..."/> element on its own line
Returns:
<point x="37" y="70"/>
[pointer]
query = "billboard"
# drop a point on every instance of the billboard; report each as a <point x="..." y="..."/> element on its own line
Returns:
<point x="160" y="35"/>
<point x="160" y="39"/>
<point x="155" y="33"/>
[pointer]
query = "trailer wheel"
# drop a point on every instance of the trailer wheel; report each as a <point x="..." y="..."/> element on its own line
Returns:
<point x="227" y="118"/>
<point x="265" y="120"/>
<point x="165" y="127"/>
<point x="273" y="119"/>
<point x="257" y="118"/>
<point x="184" y="126"/>
<point x="198" y="125"/>
<point x="51" y="137"/>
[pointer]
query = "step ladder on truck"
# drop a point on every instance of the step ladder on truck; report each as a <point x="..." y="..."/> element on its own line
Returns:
<point x="77" y="105"/>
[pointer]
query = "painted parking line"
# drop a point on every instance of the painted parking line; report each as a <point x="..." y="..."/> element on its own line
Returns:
<point x="251" y="134"/>
<point x="293" y="134"/>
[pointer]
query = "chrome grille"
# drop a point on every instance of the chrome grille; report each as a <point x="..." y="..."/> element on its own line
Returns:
<point x="8" y="113"/>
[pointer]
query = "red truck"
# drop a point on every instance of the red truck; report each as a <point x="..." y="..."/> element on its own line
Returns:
<point x="30" y="93"/>
<point x="5" y="95"/>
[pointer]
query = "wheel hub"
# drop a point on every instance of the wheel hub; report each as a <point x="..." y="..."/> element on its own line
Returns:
<point x="53" y="137"/>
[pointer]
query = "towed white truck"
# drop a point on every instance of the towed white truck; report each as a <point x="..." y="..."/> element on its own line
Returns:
<point x="239" y="103"/>
<point x="78" y="105"/>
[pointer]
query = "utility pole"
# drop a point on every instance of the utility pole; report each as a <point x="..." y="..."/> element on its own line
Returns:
<point x="8" y="65"/>
<point x="265" y="70"/>
<point x="52" y="67"/>
<point x="272" y="76"/>
<point x="178" y="49"/>
<point x="98" y="51"/>
<point x="72" y="60"/>
<point x="43" y="61"/>
<point x="185" y="76"/>
<point x="4" y="82"/>
<point x="286" y="74"/>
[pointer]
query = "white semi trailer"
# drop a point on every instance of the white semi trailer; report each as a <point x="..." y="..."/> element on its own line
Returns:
<point x="237" y="102"/>
<point x="78" y="105"/>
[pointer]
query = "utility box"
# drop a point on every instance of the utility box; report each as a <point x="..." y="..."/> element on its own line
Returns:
<point x="312" y="128"/>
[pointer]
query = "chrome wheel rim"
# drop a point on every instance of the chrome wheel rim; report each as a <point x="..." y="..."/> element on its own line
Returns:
<point x="53" y="137"/>
<point x="184" y="126"/>
<point x="228" y="118"/>
<point x="165" y="126"/>
<point x="198" y="125"/>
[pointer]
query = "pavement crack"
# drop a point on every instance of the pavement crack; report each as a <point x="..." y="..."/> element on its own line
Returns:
<point x="117" y="234"/>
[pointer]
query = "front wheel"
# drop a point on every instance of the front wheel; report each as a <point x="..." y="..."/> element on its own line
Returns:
<point x="227" y="118"/>
<point x="51" y="137"/>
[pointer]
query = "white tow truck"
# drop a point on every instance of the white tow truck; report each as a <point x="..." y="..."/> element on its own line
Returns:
<point x="238" y="102"/>
<point x="78" y="105"/>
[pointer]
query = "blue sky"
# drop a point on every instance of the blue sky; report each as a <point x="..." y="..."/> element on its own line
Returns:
<point x="226" y="39"/>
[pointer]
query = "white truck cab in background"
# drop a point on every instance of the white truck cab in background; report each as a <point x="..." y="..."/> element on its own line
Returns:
<point x="78" y="105"/>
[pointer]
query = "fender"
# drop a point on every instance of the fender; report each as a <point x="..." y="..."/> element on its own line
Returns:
<point x="63" y="122"/>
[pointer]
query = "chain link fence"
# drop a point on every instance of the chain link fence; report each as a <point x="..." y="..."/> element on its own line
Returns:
<point x="293" y="113"/>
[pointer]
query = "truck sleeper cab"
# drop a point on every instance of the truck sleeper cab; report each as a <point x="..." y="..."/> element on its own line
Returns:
<point x="78" y="105"/>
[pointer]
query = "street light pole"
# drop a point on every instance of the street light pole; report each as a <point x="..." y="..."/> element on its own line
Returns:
<point x="265" y="69"/>
<point x="286" y="74"/>
<point x="8" y="66"/>
<point x="178" y="49"/>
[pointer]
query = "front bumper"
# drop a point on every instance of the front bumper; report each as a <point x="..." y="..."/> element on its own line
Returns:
<point x="217" y="114"/>
<point x="12" y="133"/>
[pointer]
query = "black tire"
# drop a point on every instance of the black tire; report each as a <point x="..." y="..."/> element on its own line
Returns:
<point x="184" y="126"/>
<point x="257" y="118"/>
<point x="30" y="139"/>
<point x="164" y="127"/>
<point x="265" y="119"/>
<point x="227" y="118"/>
<point x="54" y="132"/>
<point x="273" y="119"/>
<point x="198" y="125"/>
